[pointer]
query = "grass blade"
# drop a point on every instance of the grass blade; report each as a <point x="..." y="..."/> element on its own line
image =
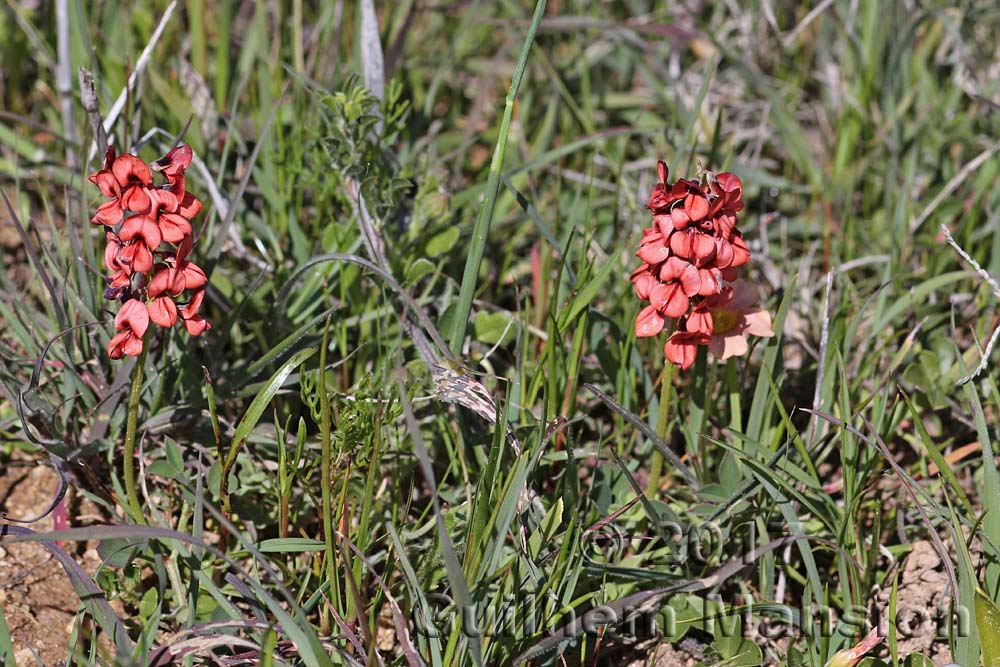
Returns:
<point x="460" y="318"/>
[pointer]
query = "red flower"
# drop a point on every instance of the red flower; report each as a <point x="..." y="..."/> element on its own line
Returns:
<point x="132" y="321"/>
<point x="682" y="347"/>
<point x="134" y="178"/>
<point x="167" y="283"/>
<point x="149" y="216"/>
<point x="174" y="163"/>
<point x="669" y="299"/>
<point x="193" y="322"/>
<point x="689" y="254"/>
<point x="173" y="224"/>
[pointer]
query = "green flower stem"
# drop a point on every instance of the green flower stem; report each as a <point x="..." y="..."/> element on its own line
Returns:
<point x="662" y="421"/>
<point x="131" y="426"/>
<point x="326" y="470"/>
<point x="735" y="408"/>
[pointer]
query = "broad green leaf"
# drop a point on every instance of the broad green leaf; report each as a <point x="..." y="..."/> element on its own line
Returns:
<point x="490" y="328"/>
<point x="988" y="624"/>
<point x="290" y="544"/>
<point x="261" y="401"/>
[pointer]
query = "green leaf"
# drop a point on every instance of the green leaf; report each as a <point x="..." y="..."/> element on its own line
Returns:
<point x="147" y="605"/>
<point x="988" y="624"/>
<point x="491" y="327"/>
<point x="442" y="242"/>
<point x="917" y="660"/>
<point x="290" y="545"/>
<point x="587" y="293"/>
<point x="261" y="401"/>
<point x="174" y="455"/>
<point x="739" y="652"/>
<point x="420" y="268"/>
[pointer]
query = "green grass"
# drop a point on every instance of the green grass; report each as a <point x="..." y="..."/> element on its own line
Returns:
<point x="328" y="410"/>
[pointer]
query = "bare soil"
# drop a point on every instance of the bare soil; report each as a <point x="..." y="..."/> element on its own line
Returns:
<point x="39" y="603"/>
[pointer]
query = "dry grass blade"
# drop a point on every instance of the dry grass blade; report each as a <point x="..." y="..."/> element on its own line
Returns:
<point x="371" y="52"/>
<point x="950" y="187"/>
<point x="995" y="286"/>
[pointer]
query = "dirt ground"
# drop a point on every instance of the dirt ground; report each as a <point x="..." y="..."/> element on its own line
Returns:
<point x="38" y="602"/>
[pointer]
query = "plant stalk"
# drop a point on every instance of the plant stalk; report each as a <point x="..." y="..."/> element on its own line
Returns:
<point x="662" y="421"/>
<point x="131" y="426"/>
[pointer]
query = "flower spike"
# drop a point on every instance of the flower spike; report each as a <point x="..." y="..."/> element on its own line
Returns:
<point x="690" y="254"/>
<point x="139" y="217"/>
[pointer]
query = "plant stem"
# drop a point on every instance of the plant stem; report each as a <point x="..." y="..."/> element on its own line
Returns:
<point x="663" y="419"/>
<point x="326" y="469"/>
<point x="131" y="426"/>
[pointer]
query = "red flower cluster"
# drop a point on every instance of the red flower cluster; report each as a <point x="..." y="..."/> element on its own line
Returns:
<point x="138" y="218"/>
<point x="689" y="254"/>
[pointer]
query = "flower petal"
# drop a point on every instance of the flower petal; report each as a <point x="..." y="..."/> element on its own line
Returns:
<point x="189" y="206"/>
<point x="194" y="276"/>
<point x="724" y="225"/>
<point x="133" y="316"/>
<point x="680" y="218"/>
<point x="673" y="269"/>
<point x="662" y="171"/>
<point x="681" y="348"/>
<point x="680" y="244"/>
<point x="129" y="169"/>
<point x="663" y="223"/>
<point x="174" y="162"/>
<point x="111" y="253"/>
<point x="132" y="346"/>
<point x="194" y="305"/>
<point x="137" y="256"/>
<point x="744" y="295"/>
<point x="696" y="206"/>
<point x="710" y="282"/>
<point x="700" y="321"/>
<point x="163" y="311"/>
<point x="724" y="253"/>
<point x="729" y="182"/>
<point x="741" y="253"/>
<point x="196" y="326"/>
<point x="703" y="248"/>
<point x="758" y="323"/>
<point x="654" y="252"/>
<point x="730" y="344"/>
<point x="163" y="200"/>
<point x="692" y="280"/>
<point x="643" y="283"/>
<point x="107" y="182"/>
<point x="136" y="198"/>
<point x="167" y="280"/>
<point x="108" y="214"/>
<point x="174" y="227"/>
<point x="669" y="299"/>
<point x="116" y="348"/>
<point x="648" y="323"/>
